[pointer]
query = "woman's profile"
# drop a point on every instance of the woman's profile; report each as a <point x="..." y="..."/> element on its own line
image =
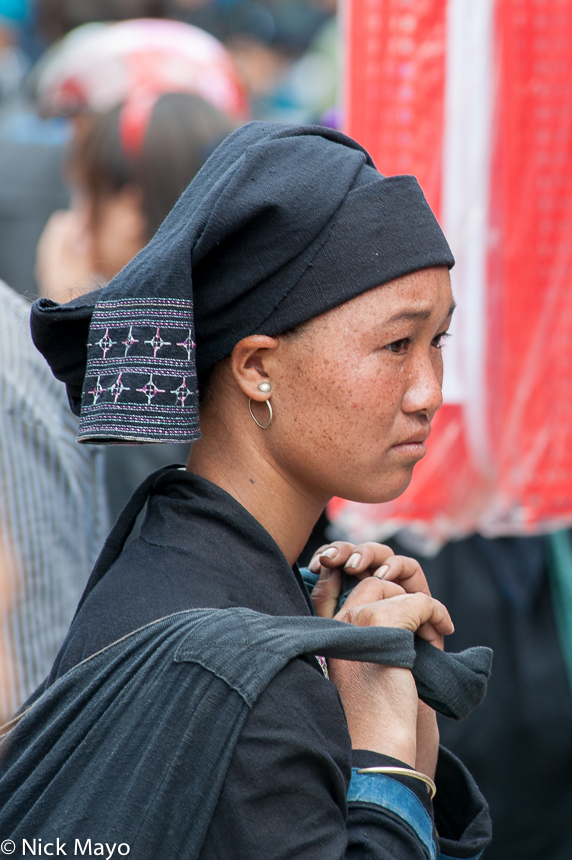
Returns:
<point x="288" y="319"/>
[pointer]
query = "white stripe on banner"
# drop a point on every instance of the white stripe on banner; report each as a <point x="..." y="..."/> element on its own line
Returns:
<point x="466" y="170"/>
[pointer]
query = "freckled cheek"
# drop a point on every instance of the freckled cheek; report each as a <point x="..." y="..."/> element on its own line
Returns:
<point x="314" y="415"/>
<point x="342" y="388"/>
<point x="376" y="392"/>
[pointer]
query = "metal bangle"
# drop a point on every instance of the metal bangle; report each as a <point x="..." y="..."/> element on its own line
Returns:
<point x="262" y="426"/>
<point x="405" y="771"/>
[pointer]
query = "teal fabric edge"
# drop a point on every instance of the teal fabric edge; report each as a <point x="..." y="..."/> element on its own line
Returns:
<point x="310" y="579"/>
<point x="559" y="558"/>
<point x="382" y="790"/>
<point x="448" y="857"/>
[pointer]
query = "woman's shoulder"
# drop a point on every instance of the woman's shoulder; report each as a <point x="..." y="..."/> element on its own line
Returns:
<point x="145" y="584"/>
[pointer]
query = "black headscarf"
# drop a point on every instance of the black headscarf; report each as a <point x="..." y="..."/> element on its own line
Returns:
<point x="281" y="224"/>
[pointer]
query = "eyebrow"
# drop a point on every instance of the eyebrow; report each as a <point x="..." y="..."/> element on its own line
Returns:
<point x="418" y="315"/>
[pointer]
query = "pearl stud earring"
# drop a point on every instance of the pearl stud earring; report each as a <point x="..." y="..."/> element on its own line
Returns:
<point x="265" y="387"/>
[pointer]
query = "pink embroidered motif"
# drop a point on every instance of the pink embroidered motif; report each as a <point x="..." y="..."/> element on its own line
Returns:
<point x="182" y="391"/>
<point x="157" y="342"/>
<point x="150" y="390"/>
<point x="129" y="341"/>
<point x="189" y="345"/>
<point x="323" y="663"/>
<point x="106" y="342"/>
<point x="118" y="388"/>
<point x="97" y="391"/>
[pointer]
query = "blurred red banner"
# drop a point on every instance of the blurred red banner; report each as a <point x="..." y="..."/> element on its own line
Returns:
<point x="475" y="99"/>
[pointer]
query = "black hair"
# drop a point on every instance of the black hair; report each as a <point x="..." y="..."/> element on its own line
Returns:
<point x="183" y="131"/>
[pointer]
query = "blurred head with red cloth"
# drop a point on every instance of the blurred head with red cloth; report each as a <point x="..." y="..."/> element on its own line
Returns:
<point x="150" y="100"/>
<point x="99" y="66"/>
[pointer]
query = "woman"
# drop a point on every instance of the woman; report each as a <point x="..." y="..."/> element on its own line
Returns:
<point x="310" y="295"/>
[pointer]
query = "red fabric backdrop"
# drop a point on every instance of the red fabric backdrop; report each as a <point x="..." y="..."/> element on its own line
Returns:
<point x="398" y="59"/>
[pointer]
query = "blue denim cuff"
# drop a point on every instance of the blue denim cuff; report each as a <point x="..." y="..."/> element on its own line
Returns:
<point x="388" y="793"/>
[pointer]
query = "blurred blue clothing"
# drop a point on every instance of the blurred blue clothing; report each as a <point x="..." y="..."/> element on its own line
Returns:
<point x="14" y="10"/>
<point x="310" y="88"/>
<point x="19" y="17"/>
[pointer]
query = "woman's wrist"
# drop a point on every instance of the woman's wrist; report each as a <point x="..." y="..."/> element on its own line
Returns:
<point x="427" y="740"/>
<point x="387" y="743"/>
<point x="380" y="703"/>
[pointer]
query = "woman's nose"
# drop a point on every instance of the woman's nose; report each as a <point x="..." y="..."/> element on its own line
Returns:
<point x="424" y="393"/>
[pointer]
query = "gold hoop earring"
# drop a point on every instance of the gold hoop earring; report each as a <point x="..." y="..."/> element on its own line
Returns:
<point x="262" y="426"/>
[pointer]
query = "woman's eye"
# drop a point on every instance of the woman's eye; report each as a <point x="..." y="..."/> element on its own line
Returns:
<point x="438" y="341"/>
<point x="399" y="346"/>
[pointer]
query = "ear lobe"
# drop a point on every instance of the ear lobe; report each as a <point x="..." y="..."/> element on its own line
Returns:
<point x="248" y="364"/>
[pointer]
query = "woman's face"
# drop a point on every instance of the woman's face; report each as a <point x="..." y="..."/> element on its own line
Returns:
<point x="355" y="392"/>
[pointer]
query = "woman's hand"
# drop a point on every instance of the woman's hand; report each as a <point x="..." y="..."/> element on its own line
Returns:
<point x="380" y="702"/>
<point x="378" y="602"/>
<point x="329" y="561"/>
<point x="362" y="561"/>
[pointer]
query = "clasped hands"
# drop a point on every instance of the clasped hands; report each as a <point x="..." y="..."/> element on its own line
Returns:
<point x="382" y="709"/>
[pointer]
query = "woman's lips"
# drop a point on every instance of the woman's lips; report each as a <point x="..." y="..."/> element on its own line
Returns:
<point x="414" y="445"/>
<point x="413" y="449"/>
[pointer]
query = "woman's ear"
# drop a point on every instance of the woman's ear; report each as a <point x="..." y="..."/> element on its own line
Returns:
<point x="249" y="363"/>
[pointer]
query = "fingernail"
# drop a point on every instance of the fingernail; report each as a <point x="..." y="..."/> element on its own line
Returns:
<point x="314" y="565"/>
<point x="382" y="571"/>
<point x="353" y="560"/>
<point x="329" y="553"/>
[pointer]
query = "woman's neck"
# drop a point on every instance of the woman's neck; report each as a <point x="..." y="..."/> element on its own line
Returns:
<point x="285" y="510"/>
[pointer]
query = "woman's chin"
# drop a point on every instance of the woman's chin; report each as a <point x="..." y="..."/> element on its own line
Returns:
<point x="384" y="490"/>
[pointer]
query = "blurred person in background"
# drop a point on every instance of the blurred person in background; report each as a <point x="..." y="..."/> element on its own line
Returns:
<point x="32" y="146"/>
<point x="6" y="601"/>
<point x="53" y="511"/>
<point x="126" y="171"/>
<point x="266" y="40"/>
<point x="128" y="164"/>
<point x="286" y="51"/>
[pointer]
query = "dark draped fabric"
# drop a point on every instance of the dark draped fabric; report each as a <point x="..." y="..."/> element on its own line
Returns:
<point x="149" y="727"/>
